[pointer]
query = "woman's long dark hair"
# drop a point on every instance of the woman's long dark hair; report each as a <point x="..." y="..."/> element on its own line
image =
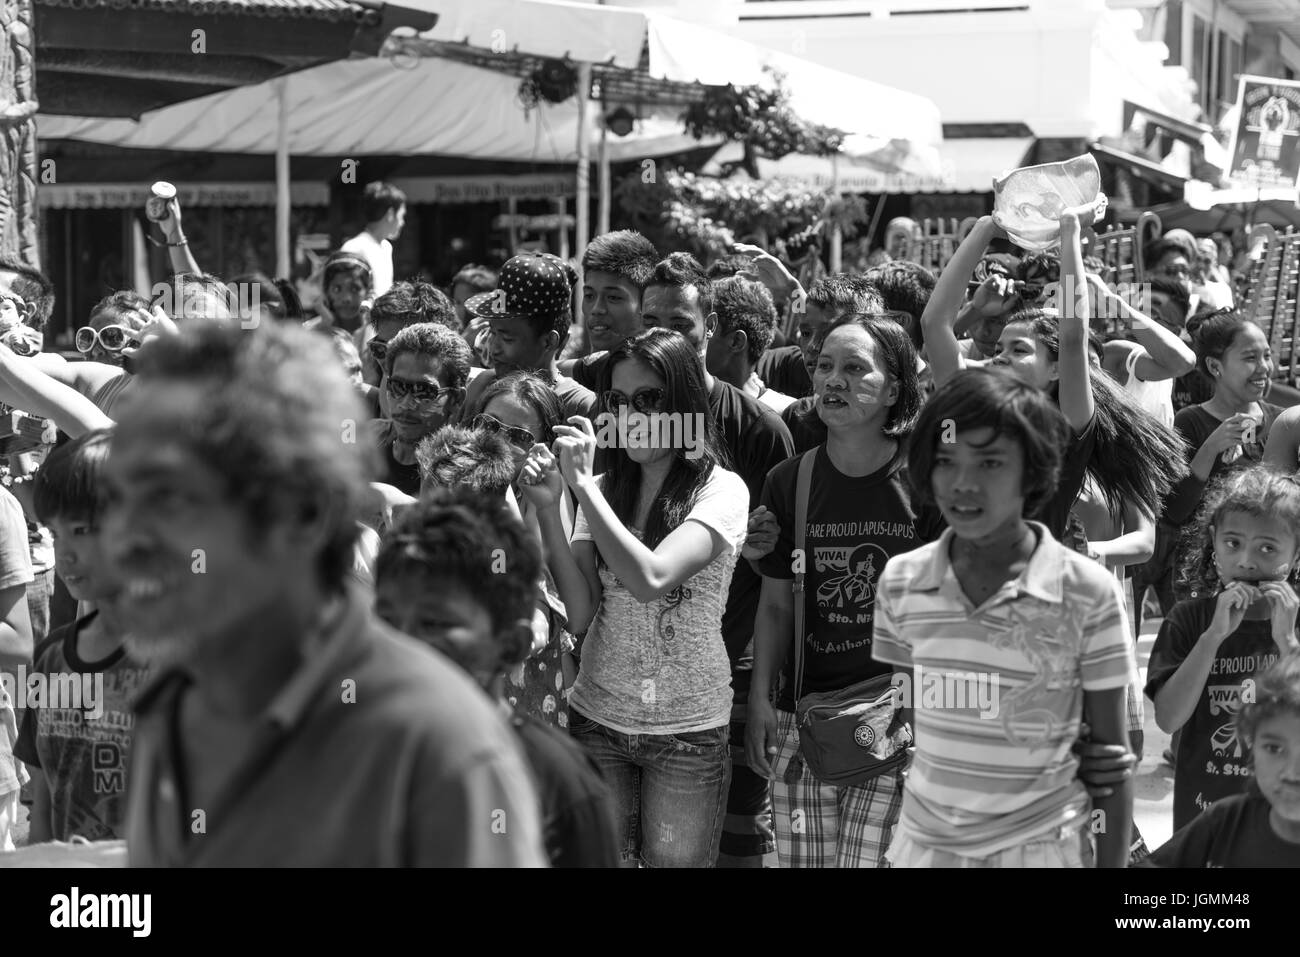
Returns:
<point x="1135" y="458"/>
<point x="673" y="360"/>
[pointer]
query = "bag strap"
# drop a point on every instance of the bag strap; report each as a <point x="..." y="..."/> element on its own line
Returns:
<point x="802" y="488"/>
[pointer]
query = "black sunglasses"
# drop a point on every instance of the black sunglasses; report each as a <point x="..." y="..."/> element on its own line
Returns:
<point x="424" y="393"/>
<point x="643" y="400"/>
<point x="378" y="349"/>
<point x="520" y="438"/>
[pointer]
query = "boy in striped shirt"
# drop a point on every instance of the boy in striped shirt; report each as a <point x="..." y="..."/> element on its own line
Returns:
<point x="1002" y="639"/>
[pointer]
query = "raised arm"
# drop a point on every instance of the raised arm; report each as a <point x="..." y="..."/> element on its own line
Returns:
<point x="1164" y="355"/>
<point x="1072" y="363"/>
<point x="942" y="311"/>
<point x="25" y="387"/>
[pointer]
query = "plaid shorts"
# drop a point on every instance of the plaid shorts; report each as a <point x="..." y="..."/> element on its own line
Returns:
<point x="819" y="825"/>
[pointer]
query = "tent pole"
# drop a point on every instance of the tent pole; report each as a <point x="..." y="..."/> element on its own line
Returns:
<point x="583" y="229"/>
<point x="282" y="260"/>
<point x="602" y="213"/>
<point x="561" y="210"/>
<point x="837" y="236"/>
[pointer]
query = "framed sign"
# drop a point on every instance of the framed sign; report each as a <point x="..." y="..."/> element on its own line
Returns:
<point x="1265" y="147"/>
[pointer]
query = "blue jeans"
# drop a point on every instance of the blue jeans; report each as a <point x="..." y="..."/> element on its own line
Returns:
<point x="669" y="790"/>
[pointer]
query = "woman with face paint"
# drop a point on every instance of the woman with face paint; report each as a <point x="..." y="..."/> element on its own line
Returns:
<point x="1240" y="563"/>
<point x="859" y="515"/>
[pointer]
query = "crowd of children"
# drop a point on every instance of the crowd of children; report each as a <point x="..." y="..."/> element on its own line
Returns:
<point x="586" y="565"/>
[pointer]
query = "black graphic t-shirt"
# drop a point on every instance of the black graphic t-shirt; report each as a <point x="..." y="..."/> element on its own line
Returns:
<point x="1212" y="761"/>
<point x="83" y="751"/>
<point x="855" y="525"/>
<point x="1234" y="833"/>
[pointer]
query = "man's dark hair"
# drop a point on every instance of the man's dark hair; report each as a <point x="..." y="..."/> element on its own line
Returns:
<point x="33" y="286"/>
<point x="624" y="253"/>
<point x="728" y="266"/>
<point x="842" y="294"/>
<point x="478" y="278"/>
<point x="275" y="401"/>
<point x="459" y="534"/>
<point x="458" y="456"/>
<point x="905" y="287"/>
<point x="1174" y="289"/>
<point x="412" y="302"/>
<point x="379" y="198"/>
<point x="679" y="270"/>
<point x="69" y="484"/>
<point x="745" y="305"/>
<point x="983" y="399"/>
<point x="432" y="339"/>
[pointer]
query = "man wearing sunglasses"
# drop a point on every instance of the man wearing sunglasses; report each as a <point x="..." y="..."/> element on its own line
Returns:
<point x="679" y="297"/>
<point x="528" y="318"/>
<point x="426" y="367"/>
<point x="405" y="304"/>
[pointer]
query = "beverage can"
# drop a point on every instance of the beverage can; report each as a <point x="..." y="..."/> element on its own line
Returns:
<point x="156" y="207"/>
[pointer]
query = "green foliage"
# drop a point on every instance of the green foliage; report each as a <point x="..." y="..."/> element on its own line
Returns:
<point x="709" y="215"/>
<point x="762" y="120"/>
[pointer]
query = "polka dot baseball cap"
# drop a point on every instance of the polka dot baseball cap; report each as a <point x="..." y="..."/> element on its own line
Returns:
<point x="531" y="285"/>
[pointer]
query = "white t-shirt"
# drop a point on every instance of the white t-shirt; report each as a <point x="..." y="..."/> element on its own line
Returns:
<point x="378" y="254"/>
<point x="662" y="667"/>
<point x="1156" y="397"/>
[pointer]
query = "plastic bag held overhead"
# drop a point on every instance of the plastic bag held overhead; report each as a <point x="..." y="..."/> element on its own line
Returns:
<point x="1028" y="202"/>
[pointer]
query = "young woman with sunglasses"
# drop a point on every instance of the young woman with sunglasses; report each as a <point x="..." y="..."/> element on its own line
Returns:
<point x="524" y="409"/>
<point x="646" y="577"/>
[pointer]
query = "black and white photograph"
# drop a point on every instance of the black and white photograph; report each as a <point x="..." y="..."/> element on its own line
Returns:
<point x="635" y="434"/>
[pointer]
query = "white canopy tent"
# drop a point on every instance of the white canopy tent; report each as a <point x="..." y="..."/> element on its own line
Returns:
<point x="440" y="106"/>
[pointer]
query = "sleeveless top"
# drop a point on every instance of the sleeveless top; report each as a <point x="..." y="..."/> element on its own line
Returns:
<point x="1155" y="397"/>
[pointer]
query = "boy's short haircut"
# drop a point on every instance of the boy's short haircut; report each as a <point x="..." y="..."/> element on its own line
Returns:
<point x="459" y="534"/>
<point x="679" y="270"/>
<point x="457" y="456"/>
<point x="624" y="253"/>
<point x="905" y="287"/>
<point x="478" y="278"/>
<point x="33" y="286"/>
<point x="409" y="302"/>
<point x="1277" y="694"/>
<point x="842" y="294"/>
<point x="745" y="305"/>
<point x="70" y="483"/>
<point x="432" y="339"/>
<point x="984" y="399"/>
<point x="378" y="198"/>
<point x="1172" y="288"/>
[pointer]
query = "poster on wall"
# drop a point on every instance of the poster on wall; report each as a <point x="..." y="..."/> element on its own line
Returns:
<point x="1265" y="147"/>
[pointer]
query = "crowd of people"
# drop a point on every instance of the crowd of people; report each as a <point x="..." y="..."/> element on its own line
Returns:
<point x="587" y="564"/>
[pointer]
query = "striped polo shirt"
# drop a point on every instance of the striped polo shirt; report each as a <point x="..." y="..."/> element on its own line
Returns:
<point x="998" y="691"/>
